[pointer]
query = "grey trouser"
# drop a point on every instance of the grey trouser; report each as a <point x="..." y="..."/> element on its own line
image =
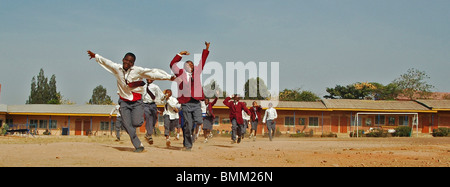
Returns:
<point x="169" y="125"/>
<point x="271" y="128"/>
<point x="254" y="124"/>
<point x="192" y="113"/>
<point x="236" y="129"/>
<point x="132" y="117"/>
<point x="151" y="117"/>
<point x="118" y="126"/>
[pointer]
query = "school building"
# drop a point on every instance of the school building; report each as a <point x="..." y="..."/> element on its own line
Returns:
<point x="325" y="116"/>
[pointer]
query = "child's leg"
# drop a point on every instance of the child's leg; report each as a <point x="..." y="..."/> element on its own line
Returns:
<point x="126" y="114"/>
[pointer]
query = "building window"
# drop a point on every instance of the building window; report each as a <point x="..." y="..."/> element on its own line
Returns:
<point x="53" y="124"/>
<point x="42" y="124"/>
<point x="226" y="121"/>
<point x="380" y="120"/>
<point x="391" y="121"/>
<point x="289" y="121"/>
<point x="301" y="121"/>
<point x="403" y="120"/>
<point x="369" y="122"/>
<point x="313" y="121"/>
<point x="216" y="121"/>
<point x="9" y="121"/>
<point x="104" y="125"/>
<point x="33" y="123"/>
<point x="359" y="121"/>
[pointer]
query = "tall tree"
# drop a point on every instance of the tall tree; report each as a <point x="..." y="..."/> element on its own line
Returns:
<point x="364" y="90"/>
<point x="42" y="91"/>
<point x="256" y="89"/>
<point x="297" y="95"/>
<point x="100" y="96"/>
<point x="413" y="84"/>
<point x="211" y="88"/>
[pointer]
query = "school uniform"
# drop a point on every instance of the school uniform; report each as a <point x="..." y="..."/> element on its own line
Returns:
<point x="255" y="116"/>
<point x="246" y="119"/>
<point x="190" y="93"/>
<point x="118" y="124"/>
<point x="152" y="96"/>
<point x="171" y="117"/>
<point x="237" y="122"/>
<point x="130" y="92"/>
<point x="269" y="117"/>
<point x="208" y="121"/>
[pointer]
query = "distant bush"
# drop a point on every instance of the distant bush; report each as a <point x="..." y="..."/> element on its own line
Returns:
<point x="360" y="133"/>
<point x="377" y="133"/>
<point x="300" y="134"/>
<point x="330" y="135"/>
<point x="441" y="132"/>
<point x="403" y="131"/>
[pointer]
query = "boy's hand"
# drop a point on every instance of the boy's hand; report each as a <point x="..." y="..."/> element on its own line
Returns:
<point x="207" y="45"/>
<point x="184" y="53"/>
<point x="91" y="54"/>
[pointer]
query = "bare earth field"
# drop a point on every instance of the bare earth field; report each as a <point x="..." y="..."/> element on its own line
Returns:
<point x="56" y="151"/>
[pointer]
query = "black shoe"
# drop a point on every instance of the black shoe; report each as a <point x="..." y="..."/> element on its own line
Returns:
<point x="139" y="150"/>
<point x="149" y="139"/>
<point x="239" y="140"/>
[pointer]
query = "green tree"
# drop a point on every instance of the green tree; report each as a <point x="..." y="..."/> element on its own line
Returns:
<point x="256" y="89"/>
<point x="413" y="84"/>
<point x="345" y="92"/>
<point x="43" y="91"/>
<point x="297" y="95"/>
<point x="210" y="90"/>
<point x="100" y="97"/>
<point x="364" y="90"/>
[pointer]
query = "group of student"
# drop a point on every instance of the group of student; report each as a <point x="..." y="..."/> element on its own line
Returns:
<point x="138" y="100"/>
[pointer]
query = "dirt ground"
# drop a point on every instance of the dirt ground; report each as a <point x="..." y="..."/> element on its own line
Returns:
<point x="55" y="151"/>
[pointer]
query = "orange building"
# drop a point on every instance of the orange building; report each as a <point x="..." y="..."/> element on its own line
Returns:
<point x="336" y="116"/>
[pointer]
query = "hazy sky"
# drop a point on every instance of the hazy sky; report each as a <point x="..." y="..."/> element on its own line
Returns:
<point x="318" y="43"/>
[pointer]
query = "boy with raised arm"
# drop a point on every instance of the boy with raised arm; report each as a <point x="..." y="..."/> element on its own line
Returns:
<point x="190" y="93"/>
<point x="130" y="89"/>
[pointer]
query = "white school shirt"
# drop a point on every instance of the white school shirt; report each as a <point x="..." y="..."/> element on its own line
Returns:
<point x="133" y="74"/>
<point x="116" y="108"/>
<point x="156" y="91"/>
<point x="172" y="103"/>
<point x="245" y="116"/>
<point x="270" y="114"/>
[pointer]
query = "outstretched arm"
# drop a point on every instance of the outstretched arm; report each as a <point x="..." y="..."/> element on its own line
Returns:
<point x="105" y="63"/>
<point x="91" y="54"/>
<point x="207" y="45"/>
<point x="175" y="60"/>
<point x="205" y="54"/>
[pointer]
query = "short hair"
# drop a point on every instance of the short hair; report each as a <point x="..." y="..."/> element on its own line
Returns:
<point x="132" y="55"/>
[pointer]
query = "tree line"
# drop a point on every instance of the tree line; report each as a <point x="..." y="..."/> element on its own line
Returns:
<point x="412" y="85"/>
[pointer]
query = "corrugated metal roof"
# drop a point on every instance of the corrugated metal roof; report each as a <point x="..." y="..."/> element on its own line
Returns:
<point x="282" y="104"/>
<point x="3" y="108"/>
<point x="326" y="104"/>
<point x="373" y="105"/>
<point x="436" y="104"/>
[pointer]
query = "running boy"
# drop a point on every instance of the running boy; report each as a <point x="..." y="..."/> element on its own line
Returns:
<point x="269" y="117"/>
<point x="170" y="114"/>
<point x="130" y="89"/>
<point x="190" y="93"/>
<point x="237" y="122"/>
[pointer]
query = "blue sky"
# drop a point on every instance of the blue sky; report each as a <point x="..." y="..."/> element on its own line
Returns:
<point x="318" y="43"/>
